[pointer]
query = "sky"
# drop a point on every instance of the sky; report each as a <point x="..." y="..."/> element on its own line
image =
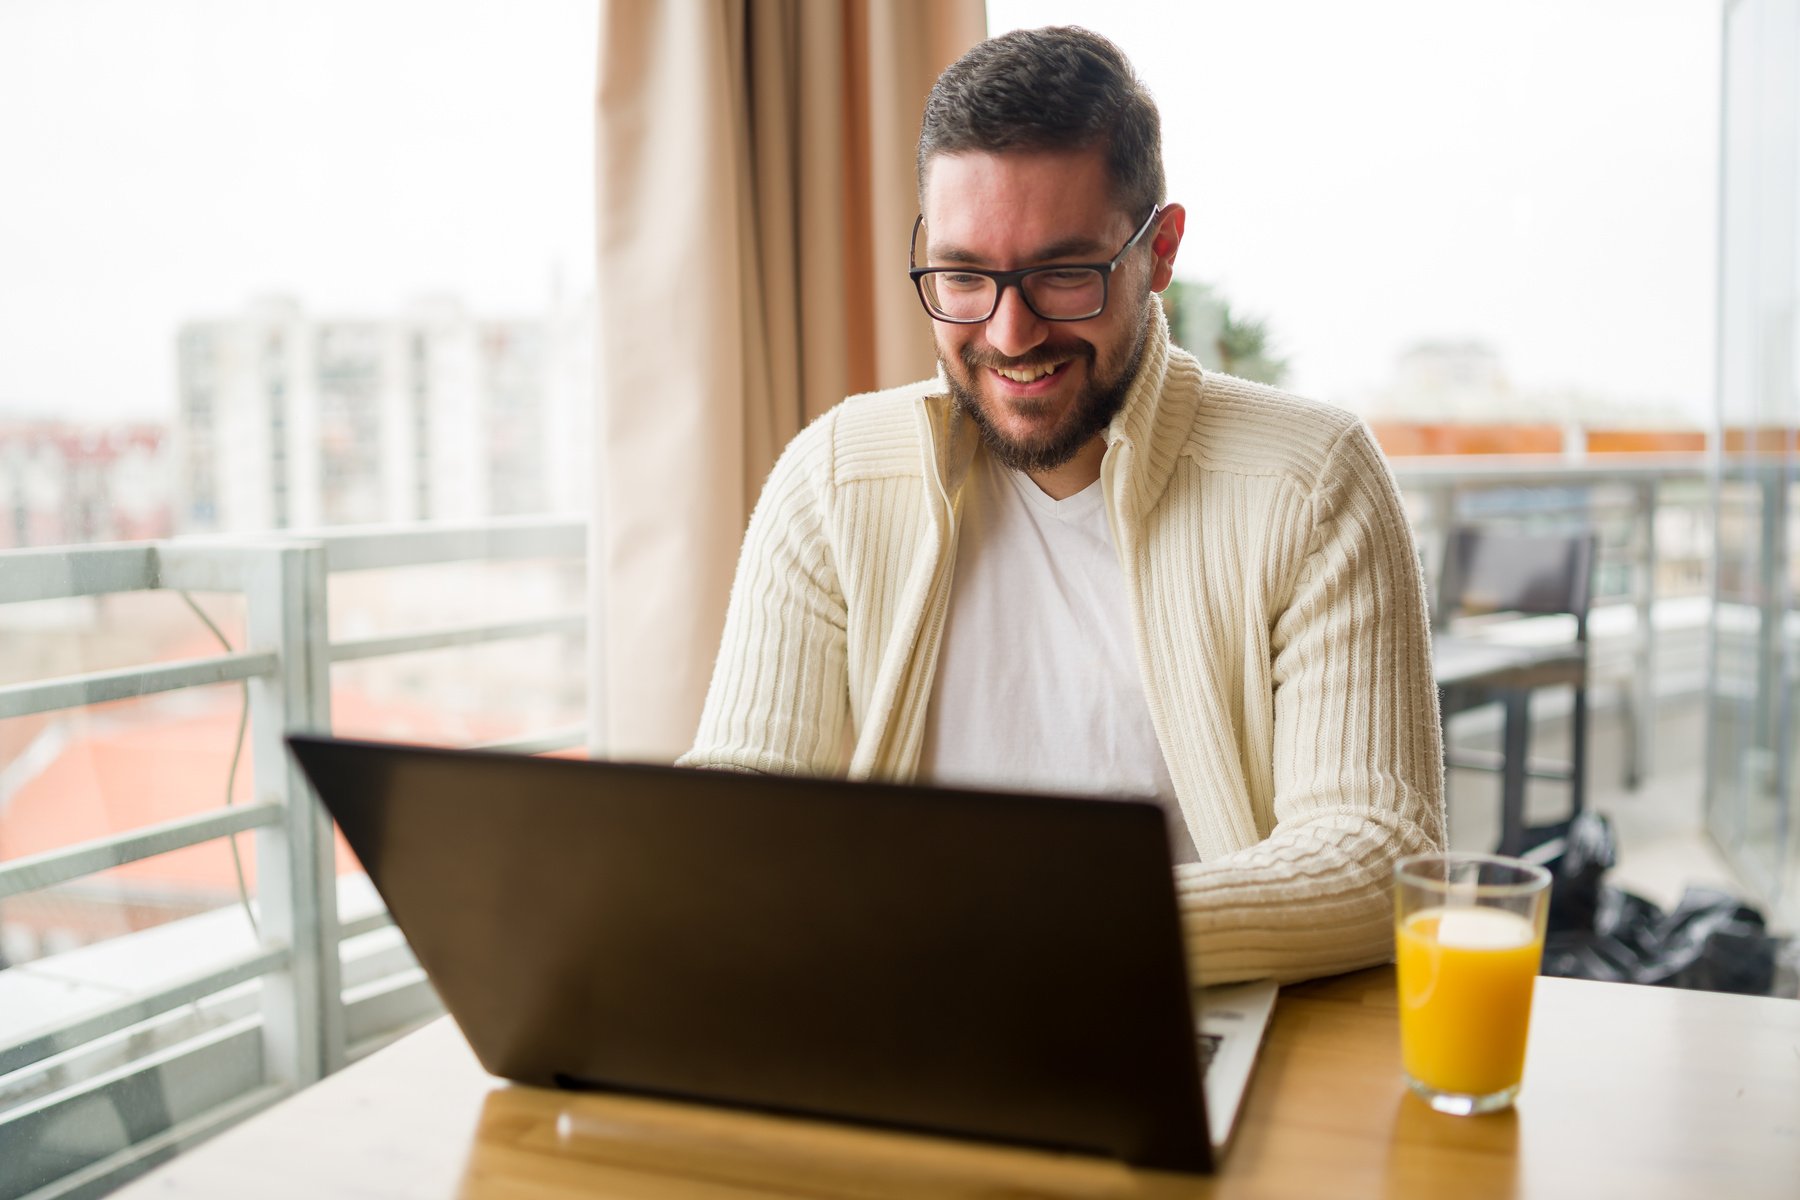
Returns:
<point x="1539" y="175"/>
<point x="173" y="160"/>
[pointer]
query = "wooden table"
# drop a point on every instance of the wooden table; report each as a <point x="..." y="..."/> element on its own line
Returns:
<point x="1629" y="1091"/>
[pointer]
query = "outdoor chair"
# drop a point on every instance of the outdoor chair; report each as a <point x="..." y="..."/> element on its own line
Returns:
<point x="1491" y="583"/>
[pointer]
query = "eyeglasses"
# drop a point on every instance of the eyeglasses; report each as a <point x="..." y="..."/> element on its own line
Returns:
<point x="1059" y="292"/>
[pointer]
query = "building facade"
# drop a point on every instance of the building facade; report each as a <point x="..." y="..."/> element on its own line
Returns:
<point x="61" y="482"/>
<point x="290" y="420"/>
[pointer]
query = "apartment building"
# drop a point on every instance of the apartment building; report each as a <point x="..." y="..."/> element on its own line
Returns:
<point x="290" y="419"/>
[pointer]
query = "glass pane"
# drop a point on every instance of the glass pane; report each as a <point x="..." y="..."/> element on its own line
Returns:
<point x="1753" y="691"/>
<point x="460" y="695"/>
<point x="330" y="264"/>
<point x="266" y="269"/>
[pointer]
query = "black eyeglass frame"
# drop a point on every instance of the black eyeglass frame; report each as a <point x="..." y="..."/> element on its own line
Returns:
<point x="1005" y="279"/>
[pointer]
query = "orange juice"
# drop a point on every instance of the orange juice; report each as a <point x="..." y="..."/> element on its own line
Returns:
<point x="1466" y="976"/>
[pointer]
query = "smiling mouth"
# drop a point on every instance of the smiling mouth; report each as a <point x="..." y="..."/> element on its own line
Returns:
<point x="1030" y="374"/>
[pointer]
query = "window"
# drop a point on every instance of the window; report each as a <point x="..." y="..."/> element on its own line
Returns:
<point x="1438" y="213"/>
<point x="242" y="267"/>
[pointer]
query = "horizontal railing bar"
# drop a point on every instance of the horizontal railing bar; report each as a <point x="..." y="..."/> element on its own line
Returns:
<point x="368" y="923"/>
<point x="1489" y="469"/>
<point x="419" y="545"/>
<point x="58" y="866"/>
<point x="1600" y="491"/>
<point x="384" y="1006"/>
<point x="60" y="572"/>
<point x="73" y="691"/>
<point x="220" y="564"/>
<point x="554" y="739"/>
<point x="122" y="1166"/>
<point x="1474" y="759"/>
<point x="36" y="1047"/>
<point x="208" y="563"/>
<point x="1590" y="512"/>
<point x="210" y="1071"/>
<point x="417" y="1006"/>
<point x="460" y="635"/>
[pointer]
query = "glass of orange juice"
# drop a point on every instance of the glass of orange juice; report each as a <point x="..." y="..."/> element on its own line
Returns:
<point x="1469" y="934"/>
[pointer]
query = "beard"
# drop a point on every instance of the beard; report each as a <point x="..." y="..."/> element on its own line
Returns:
<point x="1098" y="402"/>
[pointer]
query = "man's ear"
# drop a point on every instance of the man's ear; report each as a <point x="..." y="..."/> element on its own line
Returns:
<point x="1171" y="223"/>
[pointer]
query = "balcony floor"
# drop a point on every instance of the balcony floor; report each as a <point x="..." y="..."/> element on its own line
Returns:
<point x="1662" y="843"/>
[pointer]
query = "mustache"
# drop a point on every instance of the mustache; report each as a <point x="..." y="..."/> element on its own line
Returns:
<point x="976" y="358"/>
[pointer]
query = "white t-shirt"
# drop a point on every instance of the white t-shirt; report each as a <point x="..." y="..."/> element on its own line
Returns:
<point x="1037" y="684"/>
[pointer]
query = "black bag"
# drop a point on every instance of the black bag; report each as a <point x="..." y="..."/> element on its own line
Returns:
<point x="1711" y="941"/>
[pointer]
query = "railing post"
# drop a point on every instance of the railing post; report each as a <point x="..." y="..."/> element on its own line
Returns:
<point x="303" y="1012"/>
<point x="1773" y="693"/>
<point x="1643" y="681"/>
<point x="1440" y="520"/>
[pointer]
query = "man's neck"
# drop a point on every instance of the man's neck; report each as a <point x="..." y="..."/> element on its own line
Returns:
<point x="1062" y="482"/>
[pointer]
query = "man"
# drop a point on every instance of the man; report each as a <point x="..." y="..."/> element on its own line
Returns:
<point x="1074" y="561"/>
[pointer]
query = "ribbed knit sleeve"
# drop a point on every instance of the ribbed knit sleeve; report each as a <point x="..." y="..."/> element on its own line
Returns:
<point x="1357" y="776"/>
<point x="778" y="702"/>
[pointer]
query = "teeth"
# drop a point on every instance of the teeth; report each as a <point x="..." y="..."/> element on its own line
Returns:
<point x="1026" y="374"/>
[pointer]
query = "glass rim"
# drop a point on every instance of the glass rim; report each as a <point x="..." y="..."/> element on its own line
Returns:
<point x="1537" y="878"/>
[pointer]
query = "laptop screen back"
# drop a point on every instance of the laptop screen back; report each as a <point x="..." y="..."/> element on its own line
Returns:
<point x="990" y="965"/>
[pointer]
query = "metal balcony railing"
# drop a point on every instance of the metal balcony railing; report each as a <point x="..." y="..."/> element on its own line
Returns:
<point x="284" y="1013"/>
<point x="1653" y="516"/>
<point x="1700" y="566"/>
<point x="291" y="1007"/>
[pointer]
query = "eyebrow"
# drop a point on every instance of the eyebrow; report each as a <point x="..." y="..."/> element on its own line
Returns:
<point x="1068" y="247"/>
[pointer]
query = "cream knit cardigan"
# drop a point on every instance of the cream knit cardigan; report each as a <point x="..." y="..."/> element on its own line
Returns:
<point x="1279" y="613"/>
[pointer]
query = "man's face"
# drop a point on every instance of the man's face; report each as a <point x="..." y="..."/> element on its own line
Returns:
<point x="1039" y="390"/>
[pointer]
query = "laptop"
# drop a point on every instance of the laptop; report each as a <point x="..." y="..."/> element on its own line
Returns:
<point x="986" y="965"/>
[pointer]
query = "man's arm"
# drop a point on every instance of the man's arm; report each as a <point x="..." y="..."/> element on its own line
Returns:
<point x="1358" y="770"/>
<point x="778" y="702"/>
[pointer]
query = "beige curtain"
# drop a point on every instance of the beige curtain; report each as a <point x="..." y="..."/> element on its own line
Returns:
<point x="754" y="194"/>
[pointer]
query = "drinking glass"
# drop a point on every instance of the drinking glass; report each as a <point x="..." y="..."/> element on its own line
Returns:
<point x="1469" y="936"/>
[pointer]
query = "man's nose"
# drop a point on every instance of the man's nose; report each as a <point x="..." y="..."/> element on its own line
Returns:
<point x="1014" y="329"/>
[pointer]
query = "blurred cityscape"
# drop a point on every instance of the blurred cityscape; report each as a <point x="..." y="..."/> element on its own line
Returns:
<point x="285" y="420"/>
<point x="290" y="420"/>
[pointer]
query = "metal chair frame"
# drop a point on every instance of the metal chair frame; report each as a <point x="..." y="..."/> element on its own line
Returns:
<point x="1488" y="572"/>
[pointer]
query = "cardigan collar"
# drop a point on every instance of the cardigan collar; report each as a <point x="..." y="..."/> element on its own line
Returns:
<point x="1144" y="441"/>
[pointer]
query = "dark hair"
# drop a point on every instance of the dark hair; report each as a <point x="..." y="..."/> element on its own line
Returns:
<point x="1058" y="88"/>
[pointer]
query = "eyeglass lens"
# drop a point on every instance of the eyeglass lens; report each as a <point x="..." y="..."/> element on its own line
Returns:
<point x="1053" y="293"/>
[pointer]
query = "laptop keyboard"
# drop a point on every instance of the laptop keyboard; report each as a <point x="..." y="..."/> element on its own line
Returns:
<point x="1209" y="1046"/>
